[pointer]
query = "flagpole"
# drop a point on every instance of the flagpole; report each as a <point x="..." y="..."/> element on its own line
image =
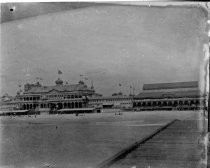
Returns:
<point x="133" y="89"/>
<point x="59" y="73"/>
<point x="120" y="87"/>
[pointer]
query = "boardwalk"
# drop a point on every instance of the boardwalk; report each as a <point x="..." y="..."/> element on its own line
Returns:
<point x="177" y="146"/>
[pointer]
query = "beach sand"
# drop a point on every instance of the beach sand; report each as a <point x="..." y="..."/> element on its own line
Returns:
<point x="76" y="141"/>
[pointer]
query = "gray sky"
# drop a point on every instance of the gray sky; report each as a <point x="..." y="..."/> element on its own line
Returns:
<point x="110" y="44"/>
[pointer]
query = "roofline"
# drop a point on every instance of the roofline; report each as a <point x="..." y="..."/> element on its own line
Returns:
<point x="56" y="90"/>
<point x="152" y="85"/>
<point x="110" y="97"/>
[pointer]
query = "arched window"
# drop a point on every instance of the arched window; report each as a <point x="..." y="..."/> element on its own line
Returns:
<point x="191" y="102"/>
<point x="197" y="102"/>
<point x="169" y="103"/>
<point x="180" y="103"/>
<point x="76" y="105"/>
<point x="164" y="103"/>
<point x="60" y="105"/>
<point x="65" y="105"/>
<point x="80" y="104"/>
<point x="72" y="104"/>
<point x="175" y="103"/>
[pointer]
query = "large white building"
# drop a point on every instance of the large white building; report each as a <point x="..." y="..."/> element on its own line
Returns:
<point x="55" y="97"/>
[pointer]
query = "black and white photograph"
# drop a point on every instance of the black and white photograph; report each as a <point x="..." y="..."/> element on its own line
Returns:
<point x="104" y="84"/>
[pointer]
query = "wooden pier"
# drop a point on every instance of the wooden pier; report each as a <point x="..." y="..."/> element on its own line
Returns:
<point x="175" y="145"/>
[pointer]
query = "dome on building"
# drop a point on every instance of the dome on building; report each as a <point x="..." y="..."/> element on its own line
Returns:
<point x="81" y="82"/>
<point x="58" y="82"/>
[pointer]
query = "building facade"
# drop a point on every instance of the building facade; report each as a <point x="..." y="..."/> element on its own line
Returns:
<point x="7" y="103"/>
<point x="56" y="97"/>
<point x="170" y="96"/>
<point x="65" y="98"/>
<point x="119" y="101"/>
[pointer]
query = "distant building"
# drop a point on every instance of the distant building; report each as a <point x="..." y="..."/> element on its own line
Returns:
<point x="7" y="103"/>
<point x="66" y="98"/>
<point x="169" y="96"/>
<point x="56" y="97"/>
<point x="116" y="101"/>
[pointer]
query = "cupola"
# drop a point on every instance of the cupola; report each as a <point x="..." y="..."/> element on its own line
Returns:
<point x="59" y="82"/>
<point x="81" y="82"/>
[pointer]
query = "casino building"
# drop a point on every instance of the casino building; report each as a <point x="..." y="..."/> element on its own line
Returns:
<point x="55" y="98"/>
<point x="170" y="96"/>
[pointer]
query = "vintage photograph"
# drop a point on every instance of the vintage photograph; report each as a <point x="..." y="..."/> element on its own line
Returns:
<point x="104" y="85"/>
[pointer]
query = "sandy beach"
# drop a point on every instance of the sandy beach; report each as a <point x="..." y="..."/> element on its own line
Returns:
<point x="76" y="141"/>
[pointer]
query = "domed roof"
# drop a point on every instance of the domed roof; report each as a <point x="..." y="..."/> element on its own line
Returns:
<point x="81" y="82"/>
<point x="59" y="81"/>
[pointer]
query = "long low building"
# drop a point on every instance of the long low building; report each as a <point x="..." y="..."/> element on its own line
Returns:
<point x="119" y="101"/>
<point x="170" y="96"/>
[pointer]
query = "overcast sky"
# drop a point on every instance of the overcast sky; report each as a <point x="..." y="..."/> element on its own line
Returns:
<point x="108" y="44"/>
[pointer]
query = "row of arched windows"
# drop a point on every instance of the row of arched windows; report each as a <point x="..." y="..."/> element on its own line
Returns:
<point x="166" y="103"/>
<point x="30" y="98"/>
<point x="53" y="105"/>
<point x="74" y="96"/>
<point x="36" y="98"/>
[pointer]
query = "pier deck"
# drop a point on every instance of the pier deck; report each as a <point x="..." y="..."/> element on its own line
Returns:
<point x="175" y="146"/>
